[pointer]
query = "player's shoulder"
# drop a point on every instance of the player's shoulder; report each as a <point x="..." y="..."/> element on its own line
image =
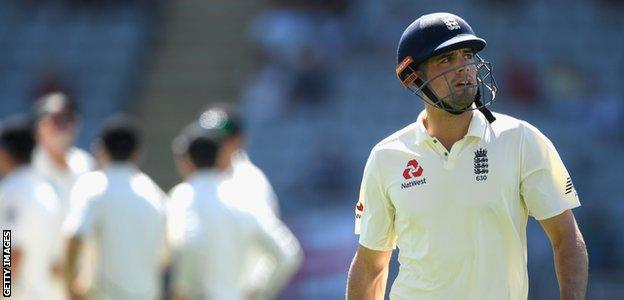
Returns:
<point x="183" y="190"/>
<point x="24" y="183"/>
<point x="508" y="125"/>
<point x="148" y="190"/>
<point x="91" y="183"/>
<point x="397" y="139"/>
<point x="88" y="187"/>
<point x="80" y="161"/>
<point x="180" y="198"/>
<point x="93" y="178"/>
<point x="243" y="166"/>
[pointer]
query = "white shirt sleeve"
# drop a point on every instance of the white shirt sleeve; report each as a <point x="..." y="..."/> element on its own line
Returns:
<point x="14" y="216"/>
<point x="188" y="260"/>
<point x="545" y="185"/>
<point x="83" y="219"/>
<point x="85" y="209"/>
<point x="271" y="197"/>
<point x="175" y="209"/>
<point x="374" y="220"/>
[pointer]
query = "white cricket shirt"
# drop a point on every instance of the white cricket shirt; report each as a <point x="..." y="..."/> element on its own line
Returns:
<point x="459" y="217"/>
<point x="257" y="197"/>
<point x="122" y="209"/>
<point x="247" y="188"/>
<point x="211" y="241"/>
<point x="62" y="180"/>
<point x="78" y="163"/>
<point x="30" y="208"/>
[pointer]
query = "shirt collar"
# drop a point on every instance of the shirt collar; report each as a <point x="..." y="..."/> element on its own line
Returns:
<point x="478" y="125"/>
<point x="421" y="132"/>
<point x="477" y="128"/>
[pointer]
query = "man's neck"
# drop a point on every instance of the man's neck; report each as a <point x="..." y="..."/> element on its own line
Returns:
<point x="59" y="160"/>
<point x="12" y="168"/>
<point x="446" y="127"/>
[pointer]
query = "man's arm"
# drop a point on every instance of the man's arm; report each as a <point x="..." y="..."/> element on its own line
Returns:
<point x="280" y="243"/>
<point x="17" y="255"/>
<point x="570" y="254"/>
<point x="71" y="273"/>
<point x="368" y="274"/>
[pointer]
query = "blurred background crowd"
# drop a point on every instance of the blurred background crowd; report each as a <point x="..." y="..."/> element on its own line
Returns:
<point x="314" y="81"/>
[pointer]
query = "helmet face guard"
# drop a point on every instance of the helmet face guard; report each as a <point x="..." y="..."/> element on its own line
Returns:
<point x="474" y="92"/>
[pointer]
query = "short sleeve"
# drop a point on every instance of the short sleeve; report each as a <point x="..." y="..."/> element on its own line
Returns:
<point x="179" y="202"/>
<point x="545" y="185"/>
<point x="374" y="213"/>
<point x="13" y="216"/>
<point x="83" y="218"/>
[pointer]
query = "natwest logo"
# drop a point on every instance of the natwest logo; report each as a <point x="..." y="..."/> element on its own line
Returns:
<point x="359" y="209"/>
<point x="412" y="170"/>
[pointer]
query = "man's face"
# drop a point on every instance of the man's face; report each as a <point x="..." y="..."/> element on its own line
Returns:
<point x="6" y="162"/>
<point x="453" y="82"/>
<point x="227" y="150"/>
<point x="57" y="131"/>
<point x="184" y="165"/>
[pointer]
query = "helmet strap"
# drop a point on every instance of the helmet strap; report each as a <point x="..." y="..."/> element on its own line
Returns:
<point x="486" y="112"/>
<point x="434" y="99"/>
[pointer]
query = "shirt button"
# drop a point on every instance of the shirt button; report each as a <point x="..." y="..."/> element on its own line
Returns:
<point x="435" y="141"/>
<point x="445" y="154"/>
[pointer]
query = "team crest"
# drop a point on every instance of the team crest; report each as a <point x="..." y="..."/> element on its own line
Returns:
<point x="481" y="164"/>
<point x="450" y="23"/>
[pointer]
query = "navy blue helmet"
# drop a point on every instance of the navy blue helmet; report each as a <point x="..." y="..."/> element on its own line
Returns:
<point x="438" y="33"/>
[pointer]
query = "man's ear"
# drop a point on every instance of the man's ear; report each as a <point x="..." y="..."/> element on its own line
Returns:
<point x="100" y="153"/>
<point x="5" y="161"/>
<point x="184" y="165"/>
<point x="137" y="156"/>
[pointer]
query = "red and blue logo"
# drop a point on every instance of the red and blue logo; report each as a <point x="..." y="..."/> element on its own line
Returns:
<point x="413" y="170"/>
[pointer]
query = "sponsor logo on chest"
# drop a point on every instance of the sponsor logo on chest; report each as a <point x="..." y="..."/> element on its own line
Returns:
<point x="413" y="175"/>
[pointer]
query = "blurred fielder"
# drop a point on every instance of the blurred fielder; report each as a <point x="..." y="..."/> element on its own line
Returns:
<point x="58" y="161"/>
<point x="29" y="208"/>
<point x="235" y="166"/>
<point x="55" y="157"/>
<point x="211" y="239"/>
<point x="453" y="191"/>
<point x="122" y="210"/>
<point x="244" y="185"/>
